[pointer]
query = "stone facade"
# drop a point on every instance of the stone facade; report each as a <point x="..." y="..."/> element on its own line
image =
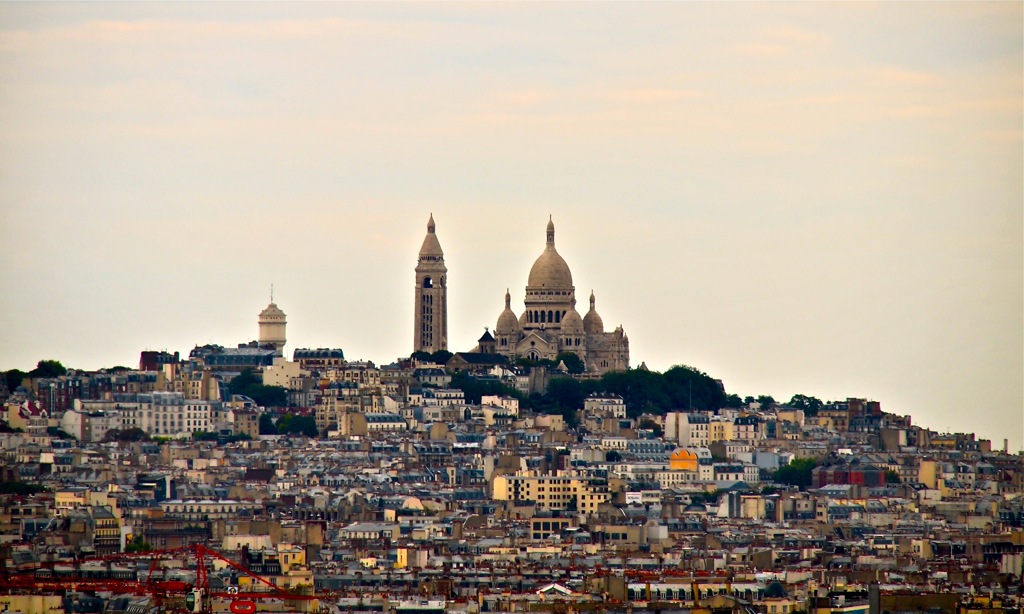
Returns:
<point x="550" y="324"/>
<point x="430" y="321"/>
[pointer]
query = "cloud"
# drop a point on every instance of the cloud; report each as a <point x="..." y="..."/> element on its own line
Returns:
<point x="895" y="75"/>
<point x="780" y="41"/>
<point x="655" y="95"/>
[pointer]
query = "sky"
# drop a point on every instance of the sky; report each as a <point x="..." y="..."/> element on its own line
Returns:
<point x="813" y="198"/>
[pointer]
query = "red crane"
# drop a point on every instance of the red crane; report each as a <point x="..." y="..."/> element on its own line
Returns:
<point x="96" y="574"/>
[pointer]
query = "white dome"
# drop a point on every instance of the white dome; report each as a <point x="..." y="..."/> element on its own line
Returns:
<point x="592" y="322"/>
<point x="507" y="321"/>
<point x="572" y="323"/>
<point x="550" y="269"/>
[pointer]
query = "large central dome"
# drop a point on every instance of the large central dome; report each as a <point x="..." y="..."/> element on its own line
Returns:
<point x="550" y="269"/>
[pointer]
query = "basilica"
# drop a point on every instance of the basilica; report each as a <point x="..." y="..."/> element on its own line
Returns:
<point x="549" y="325"/>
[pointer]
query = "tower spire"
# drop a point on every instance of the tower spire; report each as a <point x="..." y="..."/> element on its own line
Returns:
<point x="271" y="292"/>
<point x="551" y="231"/>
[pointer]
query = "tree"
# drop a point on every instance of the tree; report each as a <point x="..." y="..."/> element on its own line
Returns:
<point x="733" y="401"/>
<point x="649" y="424"/>
<point x="891" y="477"/>
<point x="20" y="488"/>
<point x="474" y="389"/>
<point x="808" y="404"/>
<point x="572" y="362"/>
<point x="243" y="380"/>
<point x="54" y="431"/>
<point x="565" y="392"/>
<point x="766" y="401"/>
<point x="249" y="384"/>
<point x="612" y="456"/>
<point x="547" y="363"/>
<point x="138" y="545"/>
<point x="267" y="396"/>
<point x="564" y="396"/>
<point x="643" y="391"/>
<point x="267" y="426"/>
<point x="48" y="368"/>
<point x="292" y="424"/>
<point x="705" y="497"/>
<point x="797" y="473"/>
<point x="14" y="378"/>
<point x="441" y="357"/>
<point x="126" y="435"/>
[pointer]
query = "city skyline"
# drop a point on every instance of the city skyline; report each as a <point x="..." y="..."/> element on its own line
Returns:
<point x="815" y="199"/>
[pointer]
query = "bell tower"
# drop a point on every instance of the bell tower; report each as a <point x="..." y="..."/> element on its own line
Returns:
<point x="430" y="319"/>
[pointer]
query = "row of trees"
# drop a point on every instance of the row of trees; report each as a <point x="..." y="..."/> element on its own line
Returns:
<point x="288" y="424"/>
<point x="20" y="488"/>
<point x="44" y="368"/>
<point x="439" y="357"/>
<point x="644" y="391"/>
<point x="796" y="473"/>
<point x="680" y="388"/>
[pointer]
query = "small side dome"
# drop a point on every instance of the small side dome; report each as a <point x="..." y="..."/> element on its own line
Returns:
<point x="775" y="590"/>
<point x="572" y="323"/>
<point x="507" y="321"/>
<point x="592" y="322"/>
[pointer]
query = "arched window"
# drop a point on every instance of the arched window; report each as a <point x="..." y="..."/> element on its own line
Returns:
<point x="551" y="317"/>
<point x="558" y="317"/>
<point x="543" y="317"/>
<point x="428" y="283"/>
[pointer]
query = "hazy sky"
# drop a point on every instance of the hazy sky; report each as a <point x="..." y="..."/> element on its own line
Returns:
<point x="813" y="198"/>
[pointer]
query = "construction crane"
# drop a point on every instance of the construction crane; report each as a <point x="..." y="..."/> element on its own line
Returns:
<point x="98" y="574"/>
